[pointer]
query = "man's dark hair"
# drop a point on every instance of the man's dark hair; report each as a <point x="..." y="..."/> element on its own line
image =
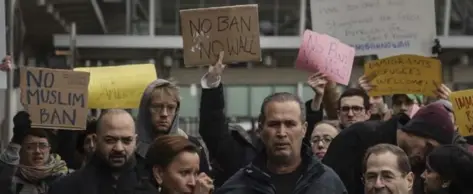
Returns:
<point x="356" y="92"/>
<point x="38" y="132"/>
<point x="91" y="128"/>
<point x="401" y="156"/>
<point x="281" y="97"/>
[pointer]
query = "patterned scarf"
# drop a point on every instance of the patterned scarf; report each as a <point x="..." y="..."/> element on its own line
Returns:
<point x="54" y="167"/>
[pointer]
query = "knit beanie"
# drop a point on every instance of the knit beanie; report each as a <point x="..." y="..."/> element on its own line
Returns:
<point x="433" y="122"/>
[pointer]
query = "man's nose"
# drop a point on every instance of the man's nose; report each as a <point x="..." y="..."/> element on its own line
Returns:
<point x="119" y="146"/>
<point x="379" y="183"/>
<point x="281" y="132"/>
<point x="350" y="113"/>
<point x="404" y="107"/>
<point x="37" y="149"/>
<point x="164" y="112"/>
<point x="321" y="144"/>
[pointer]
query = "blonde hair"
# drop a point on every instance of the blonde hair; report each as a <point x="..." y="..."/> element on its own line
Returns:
<point x="170" y="89"/>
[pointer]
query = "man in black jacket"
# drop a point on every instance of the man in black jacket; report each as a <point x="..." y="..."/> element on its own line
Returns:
<point x="286" y="165"/>
<point x="113" y="169"/>
<point x="230" y="146"/>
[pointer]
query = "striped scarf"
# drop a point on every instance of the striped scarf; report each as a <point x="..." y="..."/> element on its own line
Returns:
<point x="54" y="167"/>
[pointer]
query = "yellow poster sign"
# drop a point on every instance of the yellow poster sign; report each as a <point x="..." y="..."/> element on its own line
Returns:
<point x="462" y="102"/>
<point x="118" y="86"/>
<point x="404" y="74"/>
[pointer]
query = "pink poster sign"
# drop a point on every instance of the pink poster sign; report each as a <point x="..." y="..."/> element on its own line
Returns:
<point x="323" y="53"/>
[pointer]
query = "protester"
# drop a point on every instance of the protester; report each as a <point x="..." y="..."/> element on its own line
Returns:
<point x="27" y="165"/>
<point x="386" y="169"/>
<point x="286" y="165"/>
<point x="113" y="168"/>
<point x="322" y="136"/>
<point x="406" y="103"/>
<point x="449" y="170"/>
<point x="85" y="143"/>
<point x="379" y="109"/>
<point x="159" y="115"/>
<point x="430" y="127"/>
<point x="230" y="146"/>
<point x="354" y="107"/>
<point x="174" y="162"/>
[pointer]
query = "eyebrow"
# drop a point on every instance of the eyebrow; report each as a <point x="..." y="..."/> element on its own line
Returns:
<point x="118" y="137"/>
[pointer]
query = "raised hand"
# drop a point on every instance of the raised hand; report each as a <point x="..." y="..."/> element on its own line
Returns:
<point x="317" y="82"/>
<point x="365" y="82"/>
<point x="442" y="92"/>
<point x="217" y="68"/>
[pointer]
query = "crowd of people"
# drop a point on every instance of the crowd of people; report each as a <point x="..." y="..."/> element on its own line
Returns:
<point x="336" y="143"/>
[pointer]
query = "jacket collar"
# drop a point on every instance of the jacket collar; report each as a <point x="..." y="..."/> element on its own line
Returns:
<point x="314" y="168"/>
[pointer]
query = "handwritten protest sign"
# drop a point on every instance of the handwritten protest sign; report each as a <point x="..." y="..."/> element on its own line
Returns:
<point x="404" y="74"/>
<point x="118" y="86"/>
<point x="462" y="102"/>
<point x="232" y="29"/>
<point x="322" y="53"/>
<point x="54" y="98"/>
<point x="374" y="26"/>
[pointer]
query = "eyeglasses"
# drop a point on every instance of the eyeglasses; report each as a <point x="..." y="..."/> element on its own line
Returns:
<point x="31" y="147"/>
<point x="324" y="140"/>
<point x="370" y="179"/>
<point x="355" y="109"/>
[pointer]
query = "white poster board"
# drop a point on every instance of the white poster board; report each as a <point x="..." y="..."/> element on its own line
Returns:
<point x="3" y="43"/>
<point x="386" y="27"/>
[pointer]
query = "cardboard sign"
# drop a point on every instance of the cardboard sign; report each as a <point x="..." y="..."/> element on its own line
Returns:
<point x="322" y="53"/>
<point x="232" y="29"/>
<point x="55" y="99"/>
<point x="118" y="86"/>
<point x="404" y="74"/>
<point x="462" y="102"/>
<point x="382" y="26"/>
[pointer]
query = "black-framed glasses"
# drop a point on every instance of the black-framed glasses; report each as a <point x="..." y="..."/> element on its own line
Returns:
<point x="355" y="109"/>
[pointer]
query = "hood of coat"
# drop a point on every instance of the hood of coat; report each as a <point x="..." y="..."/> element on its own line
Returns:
<point x="144" y="126"/>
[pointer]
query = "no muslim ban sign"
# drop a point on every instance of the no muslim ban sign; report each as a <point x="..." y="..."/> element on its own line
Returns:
<point x="55" y="99"/>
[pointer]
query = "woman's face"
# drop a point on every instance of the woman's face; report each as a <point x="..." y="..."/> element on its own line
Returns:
<point x="432" y="181"/>
<point x="180" y="175"/>
<point x="321" y="138"/>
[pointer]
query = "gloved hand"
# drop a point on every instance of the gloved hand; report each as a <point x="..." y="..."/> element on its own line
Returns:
<point x="22" y="124"/>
